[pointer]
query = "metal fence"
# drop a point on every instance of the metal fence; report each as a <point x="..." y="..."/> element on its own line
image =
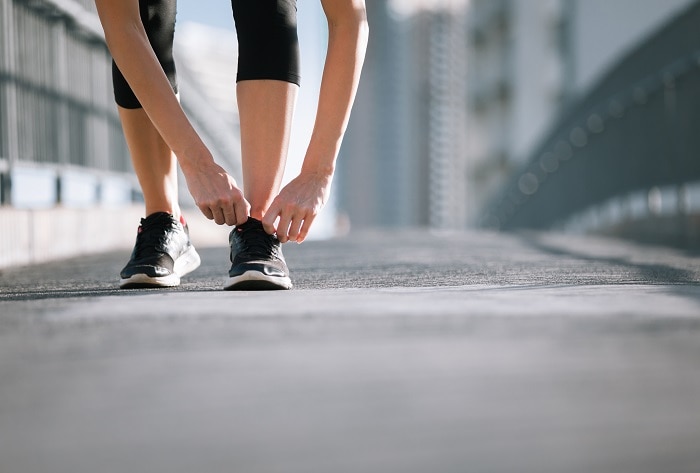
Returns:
<point x="631" y="139"/>
<point x="56" y="105"/>
<point x="57" y="111"/>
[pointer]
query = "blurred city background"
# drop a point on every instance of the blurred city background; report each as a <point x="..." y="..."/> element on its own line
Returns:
<point x="568" y="115"/>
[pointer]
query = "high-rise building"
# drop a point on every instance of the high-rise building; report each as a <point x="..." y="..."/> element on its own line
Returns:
<point x="402" y="163"/>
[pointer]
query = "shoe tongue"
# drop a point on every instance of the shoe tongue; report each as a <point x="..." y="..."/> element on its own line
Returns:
<point x="254" y="222"/>
<point x="250" y="224"/>
<point x="158" y="220"/>
<point x="154" y="217"/>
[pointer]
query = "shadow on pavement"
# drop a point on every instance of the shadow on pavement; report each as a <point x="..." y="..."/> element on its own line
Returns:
<point x="674" y="276"/>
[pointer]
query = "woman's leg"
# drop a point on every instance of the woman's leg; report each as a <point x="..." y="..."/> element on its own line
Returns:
<point x="266" y="108"/>
<point x="268" y="79"/>
<point x="163" y="251"/>
<point x="154" y="163"/>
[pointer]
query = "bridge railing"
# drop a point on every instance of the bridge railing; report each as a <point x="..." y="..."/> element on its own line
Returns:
<point x="56" y="106"/>
<point x="60" y="137"/>
<point x="627" y="150"/>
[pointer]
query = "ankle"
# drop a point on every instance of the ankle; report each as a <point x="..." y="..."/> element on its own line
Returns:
<point x="174" y="211"/>
<point x="257" y="213"/>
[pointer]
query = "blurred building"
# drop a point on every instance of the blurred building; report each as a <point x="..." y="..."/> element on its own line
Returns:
<point x="206" y="59"/>
<point x="529" y="61"/>
<point x="456" y="95"/>
<point x="402" y="162"/>
<point x="207" y="56"/>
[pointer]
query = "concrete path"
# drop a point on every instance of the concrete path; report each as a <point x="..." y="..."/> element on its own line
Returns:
<point x="397" y="352"/>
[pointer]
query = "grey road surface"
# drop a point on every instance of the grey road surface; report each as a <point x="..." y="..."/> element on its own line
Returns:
<point x="396" y="352"/>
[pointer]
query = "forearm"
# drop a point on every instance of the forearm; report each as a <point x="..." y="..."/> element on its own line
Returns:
<point x="347" y="43"/>
<point x="133" y="54"/>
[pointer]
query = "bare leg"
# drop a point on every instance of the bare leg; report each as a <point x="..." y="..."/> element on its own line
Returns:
<point x="155" y="164"/>
<point x="266" y="108"/>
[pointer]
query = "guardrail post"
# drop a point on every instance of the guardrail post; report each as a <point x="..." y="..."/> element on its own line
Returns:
<point x="5" y="188"/>
<point x="8" y="125"/>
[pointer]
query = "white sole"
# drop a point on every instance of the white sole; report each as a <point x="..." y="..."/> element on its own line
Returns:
<point x="143" y="280"/>
<point x="185" y="264"/>
<point x="255" y="280"/>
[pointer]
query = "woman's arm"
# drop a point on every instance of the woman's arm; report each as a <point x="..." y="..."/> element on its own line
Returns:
<point x="214" y="191"/>
<point x="300" y="201"/>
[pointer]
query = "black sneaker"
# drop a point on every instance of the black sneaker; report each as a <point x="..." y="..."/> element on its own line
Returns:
<point x="257" y="261"/>
<point x="162" y="254"/>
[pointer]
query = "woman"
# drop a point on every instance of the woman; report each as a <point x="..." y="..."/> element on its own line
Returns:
<point x="139" y="35"/>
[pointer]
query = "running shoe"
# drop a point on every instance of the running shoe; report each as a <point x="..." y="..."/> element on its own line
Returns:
<point x="256" y="260"/>
<point x="163" y="253"/>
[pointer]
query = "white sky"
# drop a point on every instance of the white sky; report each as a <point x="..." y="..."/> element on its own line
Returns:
<point x="210" y="12"/>
<point x="407" y="7"/>
<point x="218" y="12"/>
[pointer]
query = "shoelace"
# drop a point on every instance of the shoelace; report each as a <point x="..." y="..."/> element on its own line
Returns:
<point x="255" y="242"/>
<point x="153" y="234"/>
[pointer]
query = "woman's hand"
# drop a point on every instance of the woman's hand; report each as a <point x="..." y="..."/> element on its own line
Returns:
<point x="297" y="205"/>
<point x="216" y="193"/>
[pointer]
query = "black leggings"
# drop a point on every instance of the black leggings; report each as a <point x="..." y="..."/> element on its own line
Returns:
<point x="268" y="47"/>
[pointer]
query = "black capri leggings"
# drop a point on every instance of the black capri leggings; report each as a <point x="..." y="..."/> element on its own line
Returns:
<point x="268" y="47"/>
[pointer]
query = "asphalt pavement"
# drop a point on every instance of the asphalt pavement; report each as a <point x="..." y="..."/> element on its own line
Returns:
<point x="397" y="351"/>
